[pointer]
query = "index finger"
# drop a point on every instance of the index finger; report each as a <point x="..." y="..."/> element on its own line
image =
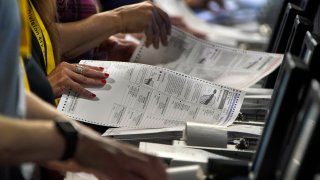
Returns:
<point x="91" y="73"/>
<point x="165" y="18"/>
<point x="93" y="67"/>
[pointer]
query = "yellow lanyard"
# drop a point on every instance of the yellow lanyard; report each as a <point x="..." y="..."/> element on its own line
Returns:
<point x="25" y="49"/>
<point x="43" y="38"/>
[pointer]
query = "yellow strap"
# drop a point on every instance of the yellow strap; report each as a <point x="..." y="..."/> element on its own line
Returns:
<point x="25" y="47"/>
<point x="43" y="38"/>
<point x="25" y="77"/>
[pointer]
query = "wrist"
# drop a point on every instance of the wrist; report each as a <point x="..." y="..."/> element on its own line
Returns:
<point x="69" y="133"/>
<point x="118" y="21"/>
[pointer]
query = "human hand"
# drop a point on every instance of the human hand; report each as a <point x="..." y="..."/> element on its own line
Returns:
<point x="106" y="158"/>
<point x="116" y="49"/>
<point x="73" y="76"/>
<point x="148" y="18"/>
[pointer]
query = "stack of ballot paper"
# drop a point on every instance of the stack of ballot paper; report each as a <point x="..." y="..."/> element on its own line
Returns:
<point x="256" y="102"/>
<point x="135" y="135"/>
<point x="194" y="134"/>
<point x="257" y="99"/>
<point x="178" y="153"/>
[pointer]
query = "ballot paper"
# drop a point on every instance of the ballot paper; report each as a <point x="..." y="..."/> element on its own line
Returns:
<point x="136" y="135"/>
<point x="210" y="61"/>
<point x="256" y="102"/>
<point x="178" y="153"/>
<point x="243" y="130"/>
<point x="229" y="36"/>
<point x="171" y="133"/>
<point x="139" y="95"/>
<point x="259" y="91"/>
<point x="194" y="134"/>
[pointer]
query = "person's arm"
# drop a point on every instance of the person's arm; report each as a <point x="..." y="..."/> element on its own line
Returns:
<point x="94" y="154"/>
<point x="25" y="141"/>
<point x="78" y="37"/>
<point x="40" y="142"/>
<point x="39" y="109"/>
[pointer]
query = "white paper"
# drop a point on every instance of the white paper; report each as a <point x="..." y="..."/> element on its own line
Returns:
<point x="156" y="135"/>
<point x="178" y="153"/>
<point x="256" y="102"/>
<point x="206" y="60"/>
<point x="259" y="91"/>
<point x="144" y="96"/>
<point x="135" y="131"/>
<point x="237" y="130"/>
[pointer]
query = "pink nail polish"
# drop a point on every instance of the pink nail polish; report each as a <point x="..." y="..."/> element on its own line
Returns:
<point x="103" y="81"/>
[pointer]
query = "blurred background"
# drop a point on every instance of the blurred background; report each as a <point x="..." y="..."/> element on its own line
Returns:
<point x="245" y="24"/>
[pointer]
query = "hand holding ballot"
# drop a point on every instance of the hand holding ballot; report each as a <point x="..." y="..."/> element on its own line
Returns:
<point x="70" y="76"/>
<point x="210" y="61"/>
<point x="203" y="83"/>
<point x="153" y="21"/>
<point x="139" y="95"/>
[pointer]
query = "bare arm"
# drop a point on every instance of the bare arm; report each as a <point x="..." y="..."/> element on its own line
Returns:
<point x="28" y="141"/>
<point x="39" y="141"/>
<point x="38" y="109"/>
<point x="78" y="37"/>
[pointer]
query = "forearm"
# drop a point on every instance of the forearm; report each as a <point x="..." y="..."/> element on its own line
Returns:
<point x="82" y="48"/>
<point x="29" y="141"/>
<point x="38" y="109"/>
<point x="96" y="28"/>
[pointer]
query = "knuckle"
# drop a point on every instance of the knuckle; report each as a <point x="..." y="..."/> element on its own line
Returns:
<point x="83" y="79"/>
<point x="63" y="64"/>
<point x="65" y="79"/>
<point x="85" y="70"/>
<point x="64" y="71"/>
<point x="82" y="90"/>
<point x="149" y="4"/>
<point x="149" y="15"/>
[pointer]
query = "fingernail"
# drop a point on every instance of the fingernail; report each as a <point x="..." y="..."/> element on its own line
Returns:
<point x="106" y="74"/>
<point x="101" y="68"/>
<point x="103" y="81"/>
<point x="93" y="95"/>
